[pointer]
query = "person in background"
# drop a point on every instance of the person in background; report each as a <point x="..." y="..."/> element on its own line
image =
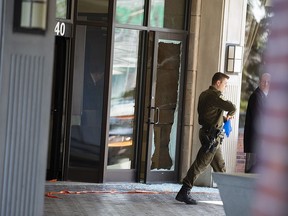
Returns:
<point x="271" y="195"/>
<point x="253" y="115"/>
<point x="211" y="107"/>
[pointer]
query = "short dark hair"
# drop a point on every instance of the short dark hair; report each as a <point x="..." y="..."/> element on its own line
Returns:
<point x="219" y="76"/>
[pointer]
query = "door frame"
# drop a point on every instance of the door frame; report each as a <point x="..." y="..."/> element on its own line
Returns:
<point x="165" y="176"/>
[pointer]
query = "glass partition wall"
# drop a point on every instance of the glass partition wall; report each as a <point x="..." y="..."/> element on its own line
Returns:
<point x="87" y="101"/>
<point x="89" y="91"/>
<point x="121" y="146"/>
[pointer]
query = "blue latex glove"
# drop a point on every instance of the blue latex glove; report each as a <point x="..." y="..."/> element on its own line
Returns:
<point x="227" y="127"/>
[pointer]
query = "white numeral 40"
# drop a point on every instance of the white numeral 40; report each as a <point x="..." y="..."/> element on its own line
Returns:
<point x="60" y="28"/>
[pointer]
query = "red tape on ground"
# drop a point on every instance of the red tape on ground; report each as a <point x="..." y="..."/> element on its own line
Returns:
<point x="53" y="193"/>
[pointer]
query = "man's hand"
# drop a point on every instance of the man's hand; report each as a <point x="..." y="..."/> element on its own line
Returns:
<point x="229" y="117"/>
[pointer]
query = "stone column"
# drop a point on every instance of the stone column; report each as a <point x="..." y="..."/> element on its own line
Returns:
<point x="26" y="64"/>
<point x="186" y="150"/>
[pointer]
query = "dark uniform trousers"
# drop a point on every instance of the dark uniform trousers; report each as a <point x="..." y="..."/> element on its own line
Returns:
<point x="203" y="160"/>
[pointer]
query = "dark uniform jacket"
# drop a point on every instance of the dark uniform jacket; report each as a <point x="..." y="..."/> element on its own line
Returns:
<point x="253" y="113"/>
<point x="211" y="106"/>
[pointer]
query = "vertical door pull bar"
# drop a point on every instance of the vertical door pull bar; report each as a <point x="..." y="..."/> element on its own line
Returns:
<point x="157" y="115"/>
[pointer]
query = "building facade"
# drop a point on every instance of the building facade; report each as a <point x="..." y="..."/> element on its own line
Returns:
<point x="126" y="80"/>
<point x="107" y="90"/>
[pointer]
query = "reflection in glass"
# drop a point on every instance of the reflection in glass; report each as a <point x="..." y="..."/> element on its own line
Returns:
<point x="87" y="97"/>
<point x="125" y="60"/>
<point x="166" y="103"/>
<point x="167" y="14"/>
<point x="130" y="12"/>
<point x="96" y="10"/>
<point x="61" y="9"/>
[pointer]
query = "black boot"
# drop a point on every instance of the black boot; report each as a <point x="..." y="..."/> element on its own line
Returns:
<point x="184" y="196"/>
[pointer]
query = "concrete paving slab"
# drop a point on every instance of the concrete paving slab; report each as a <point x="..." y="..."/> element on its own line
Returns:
<point x="117" y="199"/>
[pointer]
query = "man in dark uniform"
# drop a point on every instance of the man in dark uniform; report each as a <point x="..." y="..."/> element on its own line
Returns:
<point x="211" y="107"/>
<point x="253" y="116"/>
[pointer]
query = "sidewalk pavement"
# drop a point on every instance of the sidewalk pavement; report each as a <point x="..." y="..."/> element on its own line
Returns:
<point x="117" y="199"/>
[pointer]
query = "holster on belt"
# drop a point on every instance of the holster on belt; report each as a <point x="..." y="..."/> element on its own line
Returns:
<point x="208" y="138"/>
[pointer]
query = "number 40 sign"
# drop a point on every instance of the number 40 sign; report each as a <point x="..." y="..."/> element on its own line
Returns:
<point x="62" y="29"/>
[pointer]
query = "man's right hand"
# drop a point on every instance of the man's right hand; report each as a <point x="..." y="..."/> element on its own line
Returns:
<point x="229" y="117"/>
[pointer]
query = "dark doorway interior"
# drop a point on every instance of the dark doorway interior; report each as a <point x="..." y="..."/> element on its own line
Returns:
<point x="55" y="155"/>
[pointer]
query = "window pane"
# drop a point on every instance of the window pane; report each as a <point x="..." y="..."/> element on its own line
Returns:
<point x="39" y="15"/>
<point x="61" y="9"/>
<point x="130" y="12"/>
<point x="96" y="10"/>
<point x="121" y="144"/>
<point x="87" y="97"/>
<point x="25" y="14"/>
<point x="167" y="14"/>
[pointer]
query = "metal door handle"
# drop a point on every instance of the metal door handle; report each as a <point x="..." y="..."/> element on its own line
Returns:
<point x="157" y="115"/>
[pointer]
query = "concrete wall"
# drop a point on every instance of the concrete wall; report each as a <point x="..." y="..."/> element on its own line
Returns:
<point x="214" y="24"/>
<point x="233" y="33"/>
<point x="189" y="97"/>
<point x="26" y="81"/>
<point x="208" y="63"/>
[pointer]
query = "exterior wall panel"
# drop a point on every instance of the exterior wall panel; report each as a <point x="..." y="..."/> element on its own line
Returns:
<point x="233" y="32"/>
<point x="229" y="146"/>
<point x="22" y="134"/>
<point x="25" y="94"/>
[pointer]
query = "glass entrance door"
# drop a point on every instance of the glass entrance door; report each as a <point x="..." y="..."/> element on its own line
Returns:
<point x="164" y="108"/>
